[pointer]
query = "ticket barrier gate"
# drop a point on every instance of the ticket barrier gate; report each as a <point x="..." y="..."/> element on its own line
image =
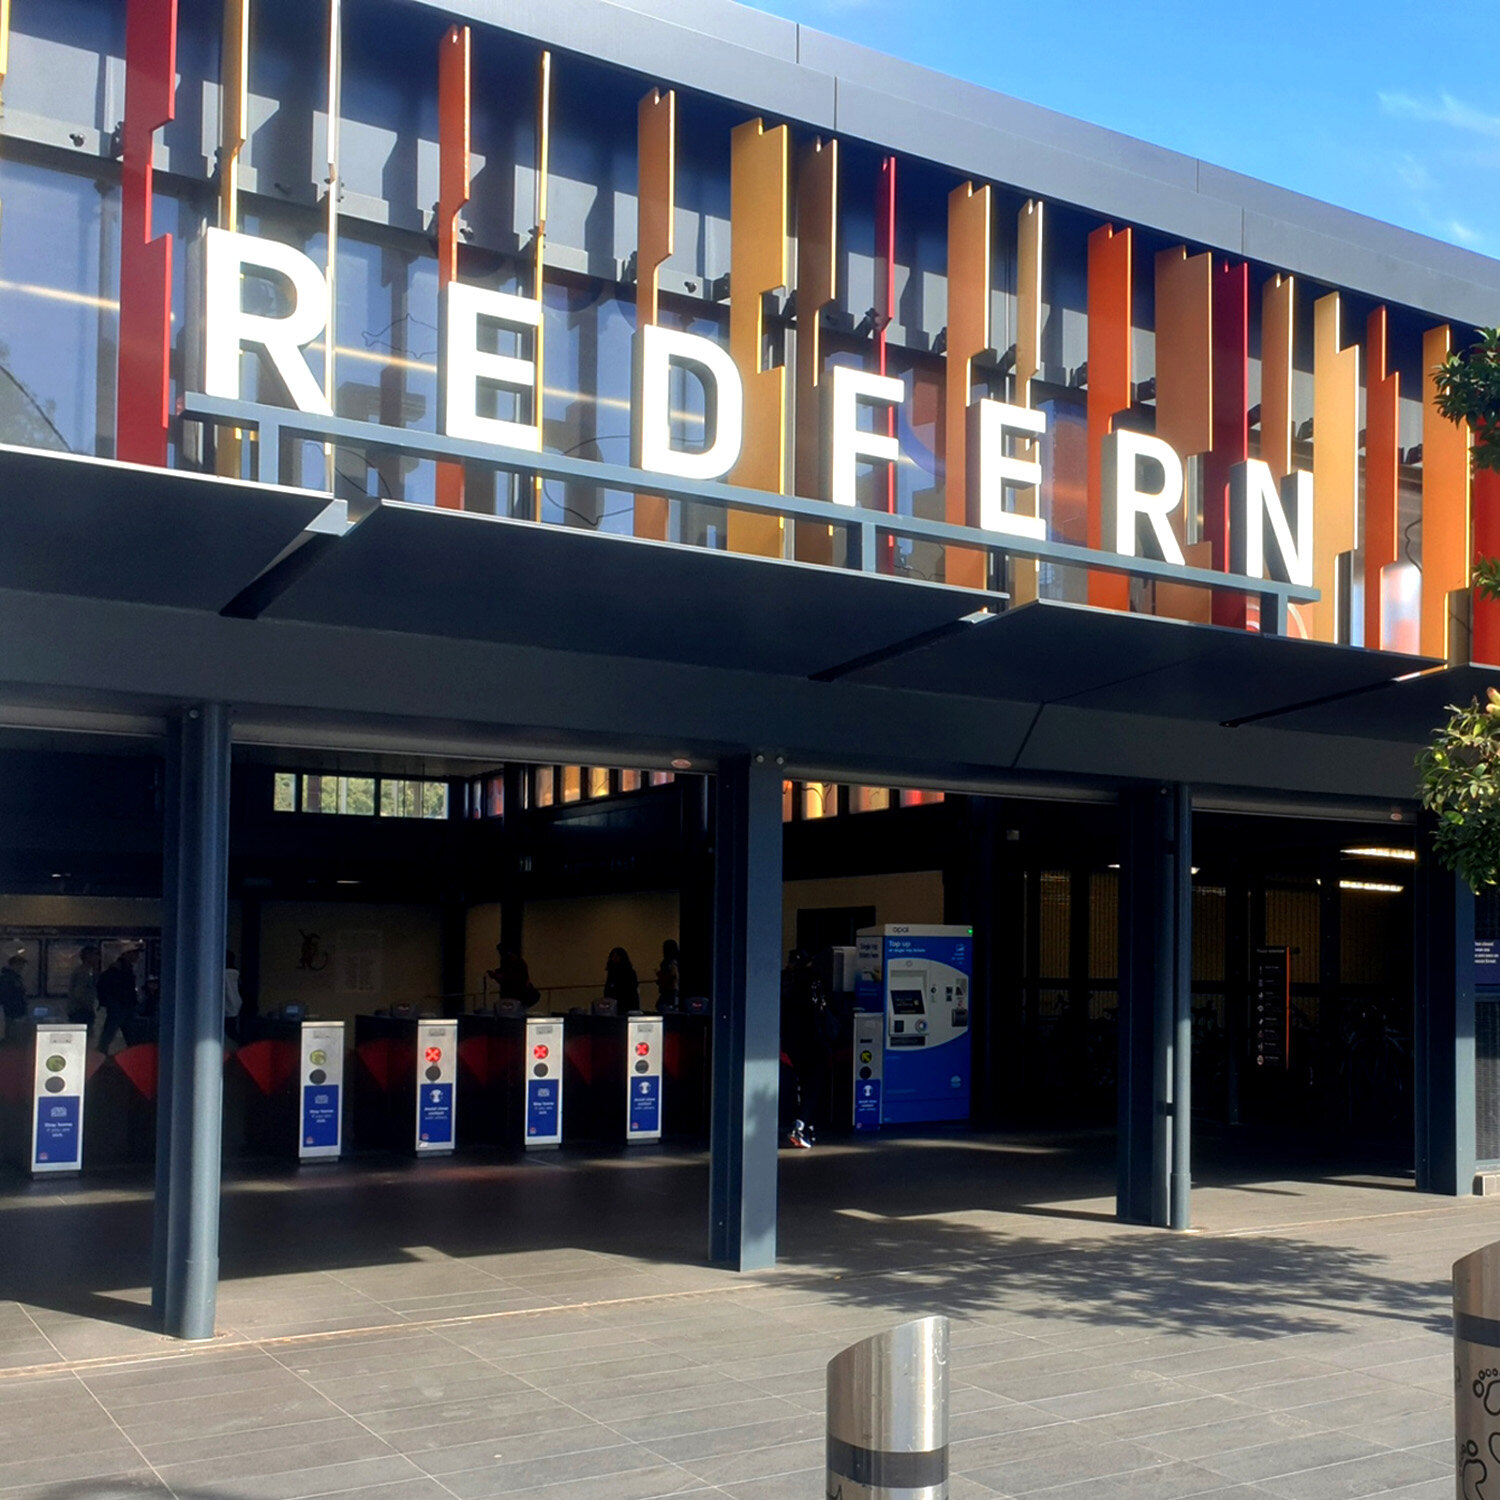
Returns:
<point x="42" y="1080"/>
<point x="260" y="1092"/>
<point x="490" y="1077"/>
<point x="613" y="1078"/>
<point x="545" y="1072"/>
<point x="404" y="1084"/>
<point x="687" y="1075"/>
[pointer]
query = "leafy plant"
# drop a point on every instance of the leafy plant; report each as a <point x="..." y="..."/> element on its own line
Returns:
<point x="1468" y="390"/>
<point x="1460" y="773"/>
<point x="1460" y="769"/>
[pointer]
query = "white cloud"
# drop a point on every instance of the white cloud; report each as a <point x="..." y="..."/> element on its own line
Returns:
<point x="1444" y="110"/>
<point x="1463" y="233"/>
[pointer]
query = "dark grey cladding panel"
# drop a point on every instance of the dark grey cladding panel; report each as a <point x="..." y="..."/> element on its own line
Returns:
<point x="1101" y="661"/>
<point x="1406" y="712"/>
<point x="749" y="57"/>
<point x="82" y="526"/>
<point x="469" y="577"/>
<point x="859" y="67"/>
<point x="1039" y="166"/>
<point x="1373" y="268"/>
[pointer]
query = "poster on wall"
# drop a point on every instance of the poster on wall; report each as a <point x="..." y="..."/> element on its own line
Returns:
<point x="358" y="955"/>
<point x="1271" y="1005"/>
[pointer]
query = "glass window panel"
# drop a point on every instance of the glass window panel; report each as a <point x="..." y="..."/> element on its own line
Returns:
<point x="357" y="795"/>
<point x="432" y="800"/>
<point x="320" y="794"/>
<point x="284" y="792"/>
<point x="598" y="781"/>
<point x="494" y="806"/>
<point x="820" y="799"/>
<point x="572" y="783"/>
<point x="59" y="310"/>
<point x="546" y="786"/>
<point x="630" y="781"/>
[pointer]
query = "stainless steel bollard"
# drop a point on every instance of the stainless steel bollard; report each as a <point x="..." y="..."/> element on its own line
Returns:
<point x="888" y="1415"/>
<point x="1476" y="1368"/>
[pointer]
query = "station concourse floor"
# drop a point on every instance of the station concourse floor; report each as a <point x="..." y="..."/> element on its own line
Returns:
<point x="547" y="1328"/>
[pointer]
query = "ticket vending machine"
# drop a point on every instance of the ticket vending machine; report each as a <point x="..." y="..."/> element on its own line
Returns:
<point x="544" y="1081"/>
<point x="437" y="1068"/>
<point x="57" y="1099"/>
<point x="917" y="978"/>
<point x="644" y="1049"/>
<point x="322" y="1091"/>
<point x="868" y="1066"/>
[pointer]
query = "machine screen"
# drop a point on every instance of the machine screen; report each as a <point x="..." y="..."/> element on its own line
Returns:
<point x="906" y="1002"/>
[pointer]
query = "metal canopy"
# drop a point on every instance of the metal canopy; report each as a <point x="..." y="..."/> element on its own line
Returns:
<point x="474" y="577"/>
<point x="76" y="525"/>
<point x="1401" y="711"/>
<point x="1049" y="652"/>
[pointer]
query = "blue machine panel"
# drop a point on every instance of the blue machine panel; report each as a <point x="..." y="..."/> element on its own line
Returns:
<point x="920" y="977"/>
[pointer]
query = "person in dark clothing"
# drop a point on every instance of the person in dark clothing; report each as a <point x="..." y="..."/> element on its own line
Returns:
<point x="117" y="997"/>
<point x="668" y="978"/>
<point x="13" y="990"/>
<point x="620" y="982"/>
<point x="513" y="977"/>
<point x="804" y="1053"/>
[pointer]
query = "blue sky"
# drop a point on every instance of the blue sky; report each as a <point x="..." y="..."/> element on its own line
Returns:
<point x="1388" y="107"/>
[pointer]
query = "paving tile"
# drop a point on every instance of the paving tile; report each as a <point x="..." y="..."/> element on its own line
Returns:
<point x="124" y="1484"/>
<point x="1315" y="1450"/>
<point x="298" y="1481"/>
<point x="1375" y="1475"/>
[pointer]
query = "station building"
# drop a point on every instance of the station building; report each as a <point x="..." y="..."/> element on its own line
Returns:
<point x="575" y="475"/>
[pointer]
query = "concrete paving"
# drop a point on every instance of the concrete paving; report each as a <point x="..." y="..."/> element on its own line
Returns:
<point x="547" y="1328"/>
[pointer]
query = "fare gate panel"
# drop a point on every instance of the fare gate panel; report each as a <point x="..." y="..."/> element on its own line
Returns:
<point x="544" y="1082"/>
<point x="57" y="1099"/>
<point x="644" y="1051"/>
<point x="322" y="1068"/>
<point x="437" y="1072"/>
<point x="869" y="1069"/>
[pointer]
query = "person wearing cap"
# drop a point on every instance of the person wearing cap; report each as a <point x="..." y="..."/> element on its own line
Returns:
<point x="13" y="989"/>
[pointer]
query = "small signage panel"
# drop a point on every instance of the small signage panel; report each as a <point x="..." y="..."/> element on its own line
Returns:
<point x="437" y="1073"/>
<point x="544" y="1081"/>
<point x="322" y="1072"/>
<point x="1271" y="1005"/>
<point x="1487" y="938"/>
<point x="57" y="1099"/>
<point x="643" y="1060"/>
<point x="869" y="1068"/>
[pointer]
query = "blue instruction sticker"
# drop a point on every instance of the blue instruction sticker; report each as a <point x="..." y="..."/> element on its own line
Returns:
<point x="435" y="1111"/>
<point x="645" y="1106"/>
<point x="320" y="1115"/>
<point x="541" y="1107"/>
<point x="867" y="1104"/>
<point x="57" y="1128"/>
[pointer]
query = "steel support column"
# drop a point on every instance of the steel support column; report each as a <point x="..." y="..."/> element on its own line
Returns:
<point x="191" y="1095"/>
<point x="747" y="1013"/>
<point x="1156" y="1010"/>
<point x="1443" y="1026"/>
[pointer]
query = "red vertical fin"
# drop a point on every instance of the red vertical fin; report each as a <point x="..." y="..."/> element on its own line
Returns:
<point x="454" y="65"/>
<point x="1230" y="421"/>
<point x="145" y="263"/>
<point x="885" y="312"/>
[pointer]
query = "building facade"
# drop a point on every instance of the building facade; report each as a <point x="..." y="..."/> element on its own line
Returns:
<point x="648" y="385"/>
